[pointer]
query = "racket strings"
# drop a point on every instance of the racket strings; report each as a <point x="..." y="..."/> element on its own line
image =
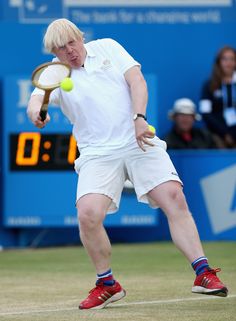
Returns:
<point x="50" y="76"/>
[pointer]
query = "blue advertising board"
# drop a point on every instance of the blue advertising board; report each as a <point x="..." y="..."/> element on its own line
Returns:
<point x="209" y="179"/>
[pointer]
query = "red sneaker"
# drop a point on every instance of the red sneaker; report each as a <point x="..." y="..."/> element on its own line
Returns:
<point x="209" y="283"/>
<point x="102" y="295"/>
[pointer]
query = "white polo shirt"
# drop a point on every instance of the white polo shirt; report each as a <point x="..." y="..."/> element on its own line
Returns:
<point x="99" y="106"/>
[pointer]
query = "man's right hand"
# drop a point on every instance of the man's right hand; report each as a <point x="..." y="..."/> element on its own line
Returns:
<point x="37" y="121"/>
<point x="33" y="110"/>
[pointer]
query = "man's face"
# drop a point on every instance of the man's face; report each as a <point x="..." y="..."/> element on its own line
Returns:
<point x="73" y="53"/>
<point x="183" y="122"/>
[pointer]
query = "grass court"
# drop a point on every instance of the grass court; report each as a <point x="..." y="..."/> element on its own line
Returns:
<point x="48" y="284"/>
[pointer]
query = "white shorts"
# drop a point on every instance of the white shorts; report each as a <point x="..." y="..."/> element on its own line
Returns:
<point x="107" y="174"/>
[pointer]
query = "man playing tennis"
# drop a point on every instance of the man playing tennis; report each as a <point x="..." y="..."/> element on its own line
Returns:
<point x="107" y="108"/>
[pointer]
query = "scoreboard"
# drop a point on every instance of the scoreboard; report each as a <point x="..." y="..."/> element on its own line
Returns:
<point x="38" y="151"/>
<point x="39" y="182"/>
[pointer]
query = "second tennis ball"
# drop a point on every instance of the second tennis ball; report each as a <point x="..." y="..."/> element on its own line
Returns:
<point x="67" y="84"/>
<point x="152" y="129"/>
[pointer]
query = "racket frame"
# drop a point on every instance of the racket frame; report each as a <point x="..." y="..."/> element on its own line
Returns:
<point x="48" y="89"/>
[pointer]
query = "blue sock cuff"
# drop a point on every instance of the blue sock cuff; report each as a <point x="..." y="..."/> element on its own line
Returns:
<point x="105" y="274"/>
<point x="201" y="258"/>
<point x="200" y="265"/>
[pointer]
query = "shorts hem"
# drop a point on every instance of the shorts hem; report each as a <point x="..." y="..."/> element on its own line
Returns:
<point x="114" y="207"/>
<point x="142" y="195"/>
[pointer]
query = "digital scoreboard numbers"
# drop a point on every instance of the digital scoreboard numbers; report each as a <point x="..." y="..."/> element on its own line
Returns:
<point x="36" y="151"/>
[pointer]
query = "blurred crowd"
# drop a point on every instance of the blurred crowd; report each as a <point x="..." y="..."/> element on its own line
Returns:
<point x="214" y="125"/>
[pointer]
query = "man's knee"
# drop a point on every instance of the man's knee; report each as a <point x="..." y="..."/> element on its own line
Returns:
<point x="89" y="215"/>
<point x="176" y="196"/>
<point x="169" y="196"/>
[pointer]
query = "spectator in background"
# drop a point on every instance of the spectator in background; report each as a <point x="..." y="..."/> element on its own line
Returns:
<point x="183" y="134"/>
<point x="218" y="99"/>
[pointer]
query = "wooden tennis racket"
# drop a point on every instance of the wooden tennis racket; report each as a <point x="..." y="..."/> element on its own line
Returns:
<point x="48" y="76"/>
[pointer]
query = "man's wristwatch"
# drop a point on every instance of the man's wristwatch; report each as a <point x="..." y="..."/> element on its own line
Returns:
<point x="139" y="115"/>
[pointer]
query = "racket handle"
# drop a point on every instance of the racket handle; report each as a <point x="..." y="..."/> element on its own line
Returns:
<point x="44" y="107"/>
<point x="43" y="114"/>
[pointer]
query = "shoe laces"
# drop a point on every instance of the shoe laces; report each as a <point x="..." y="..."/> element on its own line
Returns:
<point x="211" y="274"/>
<point x="214" y="271"/>
<point x="96" y="290"/>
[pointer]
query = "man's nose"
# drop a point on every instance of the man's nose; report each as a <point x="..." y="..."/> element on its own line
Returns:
<point x="68" y="48"/>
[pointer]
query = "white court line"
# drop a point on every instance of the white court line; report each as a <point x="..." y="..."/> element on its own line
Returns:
<point x="121" y="305"/>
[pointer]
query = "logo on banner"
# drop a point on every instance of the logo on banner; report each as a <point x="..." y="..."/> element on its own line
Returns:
<point x="40" y="11"/>
<point x="219" y="191"/>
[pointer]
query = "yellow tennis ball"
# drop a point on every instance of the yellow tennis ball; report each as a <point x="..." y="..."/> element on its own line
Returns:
<point x="152" y="129"/>
<point x="67" y="84"/>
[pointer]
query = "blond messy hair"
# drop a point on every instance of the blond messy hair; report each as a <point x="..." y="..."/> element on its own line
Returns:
<point x="59" y="33"/>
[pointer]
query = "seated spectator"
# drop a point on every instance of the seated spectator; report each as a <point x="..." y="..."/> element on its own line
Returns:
<point x="183" y="134"/>
<point x="218" y="99"/>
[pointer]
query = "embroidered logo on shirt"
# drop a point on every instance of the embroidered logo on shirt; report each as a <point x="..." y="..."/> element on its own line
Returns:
<point x="106" y="64"/>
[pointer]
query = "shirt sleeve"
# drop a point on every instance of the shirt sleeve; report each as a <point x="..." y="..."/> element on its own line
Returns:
<point x="54" y="96"/>
<point x="120" y="57"/>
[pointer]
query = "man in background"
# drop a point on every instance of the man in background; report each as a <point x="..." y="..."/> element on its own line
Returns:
<point x="184" y="134"/>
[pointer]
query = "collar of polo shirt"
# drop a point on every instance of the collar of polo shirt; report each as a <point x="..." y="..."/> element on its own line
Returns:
<point x="90" y="54"/>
